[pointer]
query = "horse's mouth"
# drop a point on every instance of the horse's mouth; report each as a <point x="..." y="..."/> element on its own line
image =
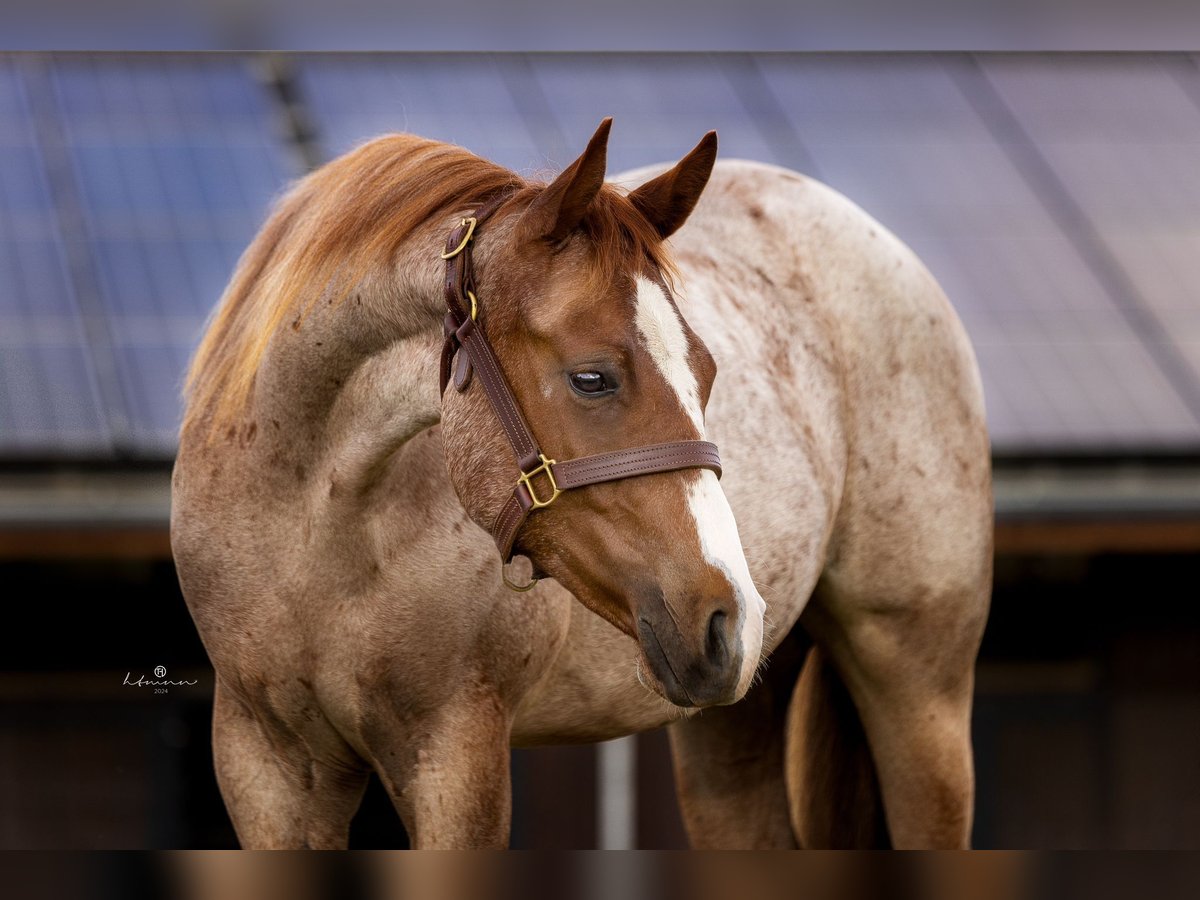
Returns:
<point x="655" y="672"/>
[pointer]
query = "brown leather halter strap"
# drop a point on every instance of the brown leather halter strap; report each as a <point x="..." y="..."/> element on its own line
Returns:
<point x="466" y="340"/>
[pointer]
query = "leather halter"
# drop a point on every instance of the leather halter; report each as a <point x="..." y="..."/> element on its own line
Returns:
<point x="466" y="339"/>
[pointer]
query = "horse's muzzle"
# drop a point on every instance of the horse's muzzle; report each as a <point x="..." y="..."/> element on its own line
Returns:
<point x="697" y="666"/>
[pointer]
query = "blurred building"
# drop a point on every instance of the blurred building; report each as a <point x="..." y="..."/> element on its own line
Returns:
<point x="1056" y="198"/>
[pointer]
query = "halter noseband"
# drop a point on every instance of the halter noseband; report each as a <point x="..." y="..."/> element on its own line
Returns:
<point x="465" y="338"/>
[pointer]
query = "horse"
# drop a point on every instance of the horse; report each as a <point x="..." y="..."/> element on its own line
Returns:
<point x="332" y="504"/>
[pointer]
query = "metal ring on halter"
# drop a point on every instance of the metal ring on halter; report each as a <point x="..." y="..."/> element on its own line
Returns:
<point x="519" y="588"/>
<point x="470" y="222"/>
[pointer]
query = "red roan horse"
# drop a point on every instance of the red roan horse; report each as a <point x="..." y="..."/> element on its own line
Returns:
<point x="327" y="504"/>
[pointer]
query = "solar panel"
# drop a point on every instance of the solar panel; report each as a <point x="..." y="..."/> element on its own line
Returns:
<point x="1062" y="368"/>
<point x="1123" y="135"/>
<point x="49" y="402"/>
<point x="176" y="161"/>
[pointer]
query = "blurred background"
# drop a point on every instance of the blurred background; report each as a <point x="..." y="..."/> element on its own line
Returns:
<point x="1055" y="197"/>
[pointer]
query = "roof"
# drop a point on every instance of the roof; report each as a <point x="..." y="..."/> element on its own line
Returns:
<point x="1056" y="198"/>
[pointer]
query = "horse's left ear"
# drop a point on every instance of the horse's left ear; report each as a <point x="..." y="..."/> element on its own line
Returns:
<point x="669" y="199"/>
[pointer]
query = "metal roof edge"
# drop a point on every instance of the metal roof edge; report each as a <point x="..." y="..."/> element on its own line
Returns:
<point x="113" y="495"/>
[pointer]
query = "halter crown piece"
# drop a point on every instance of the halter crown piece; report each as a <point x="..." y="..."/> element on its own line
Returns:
<point x="467" y="350"/>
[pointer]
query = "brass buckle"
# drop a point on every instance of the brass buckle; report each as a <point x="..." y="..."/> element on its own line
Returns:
<point x="470" y="222"/>
<point x="526" y="477"/>
<point x="474" y="304"/>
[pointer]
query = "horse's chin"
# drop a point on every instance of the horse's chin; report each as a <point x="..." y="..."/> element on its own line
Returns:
<point x="652" y="683"/>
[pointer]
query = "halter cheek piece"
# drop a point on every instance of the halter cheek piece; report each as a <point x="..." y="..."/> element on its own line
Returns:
<point x="466" y="340"/>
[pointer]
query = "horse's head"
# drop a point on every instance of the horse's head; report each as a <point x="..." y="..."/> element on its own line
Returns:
<point x="573" y="299"/>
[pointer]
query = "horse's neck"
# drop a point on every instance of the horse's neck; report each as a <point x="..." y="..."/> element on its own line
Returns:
<point x="349" y="383"/>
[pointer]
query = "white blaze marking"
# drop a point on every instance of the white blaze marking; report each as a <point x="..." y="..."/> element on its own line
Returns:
<point x="662" y="332"/>
<point x="722" y="548"/>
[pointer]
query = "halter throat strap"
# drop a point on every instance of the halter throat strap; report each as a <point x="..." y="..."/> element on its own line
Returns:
<point x="467" y="354"/>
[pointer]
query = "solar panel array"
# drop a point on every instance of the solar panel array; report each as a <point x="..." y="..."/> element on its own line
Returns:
<point x="134" y="184"/>
<point x="1057" y="199"/>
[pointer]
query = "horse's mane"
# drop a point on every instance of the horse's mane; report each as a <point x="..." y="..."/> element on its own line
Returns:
<point x="348" y="219"/>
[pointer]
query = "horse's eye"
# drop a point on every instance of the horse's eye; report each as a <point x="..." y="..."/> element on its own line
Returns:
<point x="589" y="383"/>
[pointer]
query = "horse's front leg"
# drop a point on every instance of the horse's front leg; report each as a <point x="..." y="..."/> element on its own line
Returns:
<point x="284" y="788"/>
<point x="729" y="768"/>
<point x="447" y="772"/>
<point x="909" y="667"/>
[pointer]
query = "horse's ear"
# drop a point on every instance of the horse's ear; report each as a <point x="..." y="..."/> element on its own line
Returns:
<point x="557" y="210"/>
<point x="669" y="199"/>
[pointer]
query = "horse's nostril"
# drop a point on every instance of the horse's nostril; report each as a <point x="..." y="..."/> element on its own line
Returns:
<point x="716" y="645"/>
